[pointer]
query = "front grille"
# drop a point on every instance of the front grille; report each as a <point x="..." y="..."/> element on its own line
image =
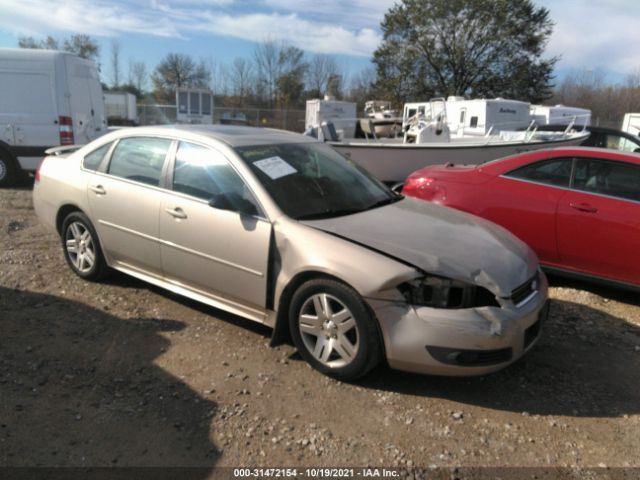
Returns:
<point x="470" y="358"/>
<point x="519" y="294"/>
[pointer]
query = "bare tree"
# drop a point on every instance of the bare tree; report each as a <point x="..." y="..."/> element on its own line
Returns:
<point x="178" y="70"/>
<point x="115" y="63"/>
<point x="138" y="75"/>
<point x="83" y="46"/>
<point x="321" y="69"/>
<point x="49" y="43"/>
<point x="241" y="76"/>
<point x="266" y="57"/>
<point x="361" y="87"/>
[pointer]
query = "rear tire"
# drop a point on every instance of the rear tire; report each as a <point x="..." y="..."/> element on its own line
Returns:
<point x="82" y="249"/>
<point x="8" y="170"/>
<point x="334" y="330"/>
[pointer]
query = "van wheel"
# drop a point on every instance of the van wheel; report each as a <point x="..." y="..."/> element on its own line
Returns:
<point x="82" y="248"/>
<point x="333" y="329"/>
<point x="8" y="170"/>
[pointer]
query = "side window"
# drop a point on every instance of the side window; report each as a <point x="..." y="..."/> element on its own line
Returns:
<point x="205" y="173"/>
<point x="140" y="159"/>
<point x="627" y="145"/>
<point x="552" y="172"/>
<point x="616" y="179"/>
<point x="92" y="160"/>
<point x="474" y="122"/>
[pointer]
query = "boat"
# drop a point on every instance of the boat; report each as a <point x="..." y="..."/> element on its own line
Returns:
<point x="384" y="120"/>
<point x="455" y="130"/>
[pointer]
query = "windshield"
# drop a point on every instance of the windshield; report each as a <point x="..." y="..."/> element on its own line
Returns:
<point x="311" y="180"/>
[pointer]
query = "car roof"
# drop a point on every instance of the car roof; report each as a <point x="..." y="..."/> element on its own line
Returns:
<point x="605" y="153"/>
<point x="513" y="161"/>
<point x="232" y="135"/>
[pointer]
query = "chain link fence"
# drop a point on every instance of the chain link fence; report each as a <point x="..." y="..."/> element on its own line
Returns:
<point x="292" y="120"/>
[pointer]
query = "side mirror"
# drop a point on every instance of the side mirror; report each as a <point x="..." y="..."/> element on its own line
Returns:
<point x="234" y="203"/>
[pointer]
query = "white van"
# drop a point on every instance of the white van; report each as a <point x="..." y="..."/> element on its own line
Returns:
<point x="47" y="98"/>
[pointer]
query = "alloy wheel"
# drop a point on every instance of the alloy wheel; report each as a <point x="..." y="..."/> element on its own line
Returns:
<point x="328" y="330"/>
<point x="80" y="247"/>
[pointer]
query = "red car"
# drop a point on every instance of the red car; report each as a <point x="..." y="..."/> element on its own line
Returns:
<point x="578" y="208"/>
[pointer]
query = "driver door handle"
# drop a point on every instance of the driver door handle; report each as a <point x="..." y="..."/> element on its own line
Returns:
<point x="176" y="212"/>
<point x="583" y="207"/>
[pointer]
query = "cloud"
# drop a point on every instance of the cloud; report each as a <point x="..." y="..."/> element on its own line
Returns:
<point x="33" y="17"/>
<point x="356" y="13"/>
<point x="316" y="28"/>
<point x="310" y="36"/>
<point x="590" y="34"/>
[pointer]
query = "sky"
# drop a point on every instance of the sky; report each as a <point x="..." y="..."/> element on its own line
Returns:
<point x="588" y="34"/>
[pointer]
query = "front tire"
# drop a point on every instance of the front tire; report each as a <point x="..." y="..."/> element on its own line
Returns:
<point x="82" y="248"/>
<point x="333" y="329"/>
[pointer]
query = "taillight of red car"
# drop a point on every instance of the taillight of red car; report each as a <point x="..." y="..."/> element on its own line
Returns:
<point x="420" y="187"/>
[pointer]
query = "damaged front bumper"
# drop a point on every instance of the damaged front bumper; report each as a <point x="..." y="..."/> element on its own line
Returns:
<point x="470" y="341"/>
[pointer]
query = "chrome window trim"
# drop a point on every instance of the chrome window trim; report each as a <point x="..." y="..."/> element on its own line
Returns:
<point x="171" y="167"/>
<point x="570" y="188"/>
<point x="107" y="155"/>
<point x="106" y="161"/>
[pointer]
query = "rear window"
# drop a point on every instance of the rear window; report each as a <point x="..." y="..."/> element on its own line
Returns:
<point x="140" y="159"/>
<point x="92" y="160"/>
<point x="550" y="172"/>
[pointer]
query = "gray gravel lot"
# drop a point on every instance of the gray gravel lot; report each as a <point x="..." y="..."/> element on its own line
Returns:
<point x="121" y="373"/>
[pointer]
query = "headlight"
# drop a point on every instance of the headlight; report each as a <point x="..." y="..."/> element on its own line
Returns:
<point x="439" y="292"/>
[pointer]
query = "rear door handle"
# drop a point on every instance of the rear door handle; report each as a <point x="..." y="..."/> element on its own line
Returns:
<point x="176" y="212"/>
<point x="98" y="189"/>
<point x="583" y="207"/>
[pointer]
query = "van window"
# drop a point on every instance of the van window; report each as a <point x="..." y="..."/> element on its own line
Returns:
<point x="25" y="92"/>
<point x="206" y="104"/>
<point x="140" y="159"/>
<point x="195" y="103"/>
<point x="92" y="160"/>
<point x="183" y="101"/>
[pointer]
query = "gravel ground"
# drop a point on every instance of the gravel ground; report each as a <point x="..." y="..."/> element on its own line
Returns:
<point x="124" y="374"/>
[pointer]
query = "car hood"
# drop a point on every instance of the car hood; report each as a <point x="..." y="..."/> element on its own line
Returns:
<point x="441" y="241"/>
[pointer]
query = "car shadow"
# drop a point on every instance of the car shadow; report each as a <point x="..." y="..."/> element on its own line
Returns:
<point x="127" y="281"/>
<point x="586" y="364"/>
<point x="80" y="389"/>
<point x="608" y="292"/>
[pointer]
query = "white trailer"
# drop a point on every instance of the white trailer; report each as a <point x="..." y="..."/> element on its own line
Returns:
<point x="341" y="114"/>
<point x="483" y="116"/>
<point x="47" y="98"/>
<point x="194" y="105"/>
<point x="121" y="108"/>
<point x="631" y="123"/>
<point x="472" y="117"/>
<point x="560" y="115"/>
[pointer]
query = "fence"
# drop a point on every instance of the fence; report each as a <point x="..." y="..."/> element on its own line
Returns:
<point x="292" y="120"/>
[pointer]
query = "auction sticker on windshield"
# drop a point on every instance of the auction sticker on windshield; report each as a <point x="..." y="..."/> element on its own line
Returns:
<point x="275" y="167"/>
